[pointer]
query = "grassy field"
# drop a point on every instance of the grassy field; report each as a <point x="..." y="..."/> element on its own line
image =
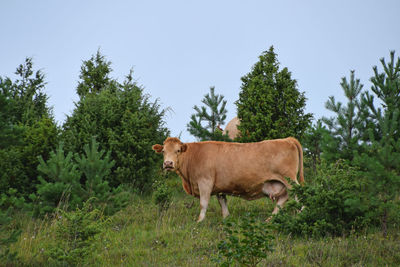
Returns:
<point x="141" y="235"/>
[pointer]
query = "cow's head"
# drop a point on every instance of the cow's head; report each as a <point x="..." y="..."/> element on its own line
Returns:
<point x="171" y="150"/>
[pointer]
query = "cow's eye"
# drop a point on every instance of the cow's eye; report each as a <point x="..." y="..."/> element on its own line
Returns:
<point x="179" y="151"/>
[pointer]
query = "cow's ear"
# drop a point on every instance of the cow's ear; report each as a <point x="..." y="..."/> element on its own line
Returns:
<point x="183" y="147"/>
<point x="157" y="148"/>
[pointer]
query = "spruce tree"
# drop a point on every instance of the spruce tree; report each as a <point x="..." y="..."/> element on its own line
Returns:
<point x="205" y="123"/>
<point x="344" y="126"/>
<point x="270" y="105"/>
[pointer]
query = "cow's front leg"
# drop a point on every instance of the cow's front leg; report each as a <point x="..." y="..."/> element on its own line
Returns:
<point x="224" y="206"/>
<point x="205" y="193"/>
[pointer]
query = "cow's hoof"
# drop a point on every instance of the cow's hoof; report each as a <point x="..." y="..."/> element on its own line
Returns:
<point x="268" y="219"/>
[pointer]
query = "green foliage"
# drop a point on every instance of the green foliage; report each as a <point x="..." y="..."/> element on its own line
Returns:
<point x="313" y="142"/>
<point x="270" y="106"/>
<point x="95" y="76"/>
<point x="386" y="87"/>
<point x="212" y="119"/>
<point x="29" y="102"/>
<point x="10" y="134"/>
<point x="9" y="203"/>
<point x="335" y="203"/>
<point x="381" y="161"/>
<point x="18" y="162"/>
<point x="76" y="233"/>
<point x="345" y="126"/>
<point x="380" y="153"/>
<point x="69" y="181"/>
<point x="123" y="120"/>
<point x="27" y="128"/>
<point x="247" y="242"/>
<point x="96" y="166"/>
<point x="60" y="184"/>
<point x="162" y="195"/>
<point x="6" y="256"/>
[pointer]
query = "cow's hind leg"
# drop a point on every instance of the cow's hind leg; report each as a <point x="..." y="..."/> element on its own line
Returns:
<point x="224" y="207"/>
<point x="281" y="201"/>
<point x="205" y="193"/>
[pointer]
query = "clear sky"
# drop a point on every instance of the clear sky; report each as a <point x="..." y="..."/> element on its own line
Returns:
<point x="178" y="49"/>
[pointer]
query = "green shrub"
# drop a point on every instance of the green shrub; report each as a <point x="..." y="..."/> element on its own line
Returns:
<point x="69" y="181"/>
<point x="335" y="203"/>
<point x="246" y="242"/>
<point x="75" y="235"/>
<point x="162" y="194"/>
<point x="60" y="183"/>
<point x="9" y="203"/>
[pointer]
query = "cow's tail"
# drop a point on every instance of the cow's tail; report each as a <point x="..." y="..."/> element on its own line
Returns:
<point x="300" y="150"/>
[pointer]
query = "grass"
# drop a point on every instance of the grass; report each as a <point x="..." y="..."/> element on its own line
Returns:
<point x="141" y="235"/>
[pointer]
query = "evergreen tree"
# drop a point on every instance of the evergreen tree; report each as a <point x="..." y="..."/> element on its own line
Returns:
<point x="27" y="128"/>
<point x="380" y="158"/>
<point x="313" y="143"/>
<point x="270" y="105"/>
<point x="95" y="76"/>
<point x="96" y="166"/>
<point x="204" y="124"/>
<point x="345" y="125"/>
<point x="29" y="100"/>
<point x="123" y="120"/>
<point x="386" y="87"/>
<point x="381" y="161"/>
<point x="67" y="181"/>
<point x="10" y="133"/>
<point x="59" y="182"/>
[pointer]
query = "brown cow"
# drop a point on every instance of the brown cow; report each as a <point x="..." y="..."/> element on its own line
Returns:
<point x="248" y="170"/>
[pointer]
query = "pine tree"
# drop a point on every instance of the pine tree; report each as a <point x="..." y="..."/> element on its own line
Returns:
<point x="345" y="125"/>
<point x="96" y="166"/>
<point x="386" y="87"/>
<point x="270" y="106"/>
<point x="380" y="158"/>
<point x="204" y="124"/>
<point x="381" y="161"/>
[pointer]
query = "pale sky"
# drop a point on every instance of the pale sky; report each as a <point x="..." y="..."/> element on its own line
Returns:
<point x="178" y="49"/>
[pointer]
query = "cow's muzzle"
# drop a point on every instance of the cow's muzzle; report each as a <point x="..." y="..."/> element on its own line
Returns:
<point x="168" y="165"/>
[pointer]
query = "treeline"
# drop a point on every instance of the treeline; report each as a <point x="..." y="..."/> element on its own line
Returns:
<point x="103" y="149"/>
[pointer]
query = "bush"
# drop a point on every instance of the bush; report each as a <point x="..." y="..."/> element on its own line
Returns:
<point x="9" y="203"/>
<point x="69" y="181"/>
<point x="246" y="242"/>
<point x="75" y="235"/>
<point x="162" y="194"/>
<point x="335" y="203"/>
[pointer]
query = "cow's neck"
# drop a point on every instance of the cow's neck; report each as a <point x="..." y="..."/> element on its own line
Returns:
<point x="184" y="174"/>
